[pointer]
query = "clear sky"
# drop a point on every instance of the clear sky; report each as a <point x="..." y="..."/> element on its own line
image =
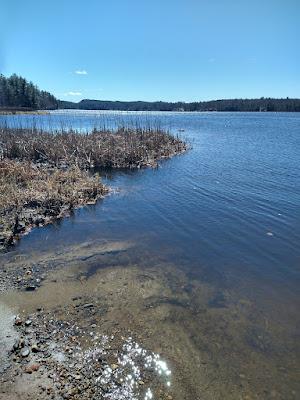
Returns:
<point x="153" y="49"/>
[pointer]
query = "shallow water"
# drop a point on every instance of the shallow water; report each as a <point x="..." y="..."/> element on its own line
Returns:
<point x="226" y="216"/>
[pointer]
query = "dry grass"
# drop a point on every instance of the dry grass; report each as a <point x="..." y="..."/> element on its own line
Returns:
<point x="44" y="174"/>
<point x="124" y="148"/>
<point x="35" y="195"/>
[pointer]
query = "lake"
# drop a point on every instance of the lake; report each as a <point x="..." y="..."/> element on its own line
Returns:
<point x="225" y="217"/>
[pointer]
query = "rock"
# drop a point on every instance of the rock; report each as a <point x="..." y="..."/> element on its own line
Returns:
<point x="25" y="352"/>
<point x="35" y="367"/>
<point x="15" y="346"/>
<point x="30" y="288"/>
<point x="31" y="368"/>
<point x="35" y="348"/>
<point x="18" y="321"/>
<point x="88" y="305"/>
<point x="28" y="322"/>
<point x="28" y="370"/>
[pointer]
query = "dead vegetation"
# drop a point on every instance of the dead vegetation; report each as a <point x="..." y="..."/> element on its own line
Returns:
<point x="34" y="195"/>
<point x="124" y="148"/>
<point x="44" y="175"/>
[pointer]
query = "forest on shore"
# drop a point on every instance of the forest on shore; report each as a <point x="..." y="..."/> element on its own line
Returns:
<point x="16" y="93"/>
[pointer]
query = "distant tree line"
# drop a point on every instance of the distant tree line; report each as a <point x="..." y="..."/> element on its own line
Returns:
<point x="262" y="104"/>
<point x="17" y="93"/>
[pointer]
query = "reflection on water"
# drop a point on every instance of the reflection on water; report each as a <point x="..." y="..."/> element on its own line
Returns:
<point x="206" y="264"/>
<point x="125" y="379"/>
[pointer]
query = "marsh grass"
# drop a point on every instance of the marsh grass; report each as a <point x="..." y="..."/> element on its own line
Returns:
<point x="33" y="195"/>
<point x="122" y="148"/>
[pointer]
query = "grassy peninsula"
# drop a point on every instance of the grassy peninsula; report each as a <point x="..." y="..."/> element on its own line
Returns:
<point x="44" y="175"/>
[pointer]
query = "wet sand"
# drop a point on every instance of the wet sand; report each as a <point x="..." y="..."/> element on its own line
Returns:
<point x="216" y="343"/>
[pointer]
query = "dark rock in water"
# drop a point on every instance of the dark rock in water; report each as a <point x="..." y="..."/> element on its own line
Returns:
<point x="88" y="305"/>
<point x="30" y="288"/>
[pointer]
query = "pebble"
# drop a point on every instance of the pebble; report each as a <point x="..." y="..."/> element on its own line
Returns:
<point x="30" y="288"/>
<point x="35" y="348"/>
<point x="25" y="352"/>
<point x="18" y="321"/>
<point x="28" y="322"/>
<point x="88" y="305"/>
<point x="31" y="368"/>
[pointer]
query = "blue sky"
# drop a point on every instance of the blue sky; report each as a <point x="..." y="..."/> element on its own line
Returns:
<point x="154" y="49"/>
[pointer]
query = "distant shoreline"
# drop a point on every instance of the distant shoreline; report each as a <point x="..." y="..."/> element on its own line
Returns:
<point x="227" y="105"/>
<point x="48" y="112"/>
<point x="19" y="95"/>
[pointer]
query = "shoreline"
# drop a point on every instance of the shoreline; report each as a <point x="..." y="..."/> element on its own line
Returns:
<point x="78" y="335"/>
<point x="45" y="176"/>
<point x="52" y="194"/>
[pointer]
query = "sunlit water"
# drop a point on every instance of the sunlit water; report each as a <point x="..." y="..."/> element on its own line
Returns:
<point x="226" y="213"/>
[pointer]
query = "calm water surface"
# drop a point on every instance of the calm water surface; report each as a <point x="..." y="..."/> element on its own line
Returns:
<point x="226" y="213"/>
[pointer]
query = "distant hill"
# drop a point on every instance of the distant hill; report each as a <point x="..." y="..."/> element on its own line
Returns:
<point x="262" y="104"/>
<point x="17" y="93"/>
